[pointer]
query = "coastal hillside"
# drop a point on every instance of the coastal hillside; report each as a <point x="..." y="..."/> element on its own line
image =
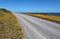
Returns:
<point x="9" y="26"/>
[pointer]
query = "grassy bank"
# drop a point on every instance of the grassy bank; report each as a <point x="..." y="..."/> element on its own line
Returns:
<point x="9" y="26"/>
<point x="48" y="17"/>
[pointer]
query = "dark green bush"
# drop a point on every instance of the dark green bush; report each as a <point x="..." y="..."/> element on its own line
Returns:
<point x="4" y="10"/>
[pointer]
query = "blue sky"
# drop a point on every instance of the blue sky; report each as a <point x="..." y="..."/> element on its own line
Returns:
<point x="31" y="5"/>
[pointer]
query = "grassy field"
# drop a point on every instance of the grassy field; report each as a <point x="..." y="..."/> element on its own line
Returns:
<point x="9" y="26"/>
<point x="48" y="17"/>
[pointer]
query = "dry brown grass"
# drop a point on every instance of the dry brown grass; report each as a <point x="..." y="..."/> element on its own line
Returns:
<point x="9" y="27"/>
<point x="48" y="17"/>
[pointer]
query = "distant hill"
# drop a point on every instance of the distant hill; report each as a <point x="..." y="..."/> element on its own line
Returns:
<point x="56" y="14"/>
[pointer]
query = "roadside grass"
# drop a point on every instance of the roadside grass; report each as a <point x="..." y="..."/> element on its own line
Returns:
<point x="48" y="17"/>
<point x="9" y="27"/>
